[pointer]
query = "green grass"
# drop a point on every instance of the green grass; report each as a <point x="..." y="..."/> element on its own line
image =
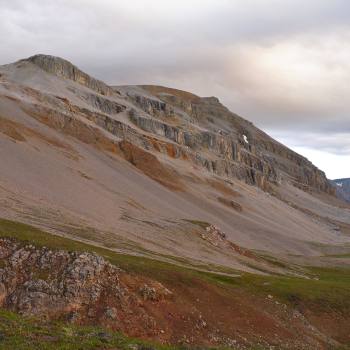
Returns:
<point x="332" y="289"/>
<point x="338" y="255"/>
<point x="29" y="333"/>
<point x="24" y="333"/>
<point x="157" y="269"/>
<point x="31" y="235"/>
<point x="18" y="332"/>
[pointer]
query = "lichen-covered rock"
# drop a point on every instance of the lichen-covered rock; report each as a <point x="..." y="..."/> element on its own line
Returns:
<point x="73" y="285"/>
<point x="46" y="282"/>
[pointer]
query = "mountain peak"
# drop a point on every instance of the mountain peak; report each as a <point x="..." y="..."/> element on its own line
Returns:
<point x="40" y="59"/>
<point x="63" y="68"/>
<point x="54" y="64"/>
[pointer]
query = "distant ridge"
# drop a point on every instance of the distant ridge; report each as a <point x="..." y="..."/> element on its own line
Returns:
<point x="343" y="188"/>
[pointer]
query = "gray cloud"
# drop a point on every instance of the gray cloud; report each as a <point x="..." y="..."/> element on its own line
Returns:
<point x="282" y="64"/>
<point x="333" y="142"/>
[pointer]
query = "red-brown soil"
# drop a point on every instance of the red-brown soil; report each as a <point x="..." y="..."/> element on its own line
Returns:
<point x="150" y="166"/>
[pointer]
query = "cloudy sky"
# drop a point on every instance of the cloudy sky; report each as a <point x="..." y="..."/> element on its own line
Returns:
<point x="283" y="64"/>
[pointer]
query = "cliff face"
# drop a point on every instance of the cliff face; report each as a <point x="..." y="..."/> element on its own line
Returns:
<point x="236" y="147"/>
<point x="65" y="69"/>
<point x="183" y="126"/>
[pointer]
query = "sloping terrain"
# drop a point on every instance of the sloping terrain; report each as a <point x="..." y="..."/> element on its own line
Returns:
<point x="157" y="301"/>
<point x="160" y="173"/>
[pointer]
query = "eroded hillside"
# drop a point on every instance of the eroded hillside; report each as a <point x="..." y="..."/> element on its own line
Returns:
<point x="160" y="173"/>
<point x="68" y="139"/>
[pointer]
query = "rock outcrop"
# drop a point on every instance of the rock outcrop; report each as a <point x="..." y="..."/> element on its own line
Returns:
<point x="65" y="69"/>
<point x="75" y="286"/>
<point x="233" y="138"/>
<point x="35" y="281"/>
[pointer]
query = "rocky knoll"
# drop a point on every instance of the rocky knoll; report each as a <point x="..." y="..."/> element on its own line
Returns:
<point x="78" y="287"/>
<point x="52" y="282"/>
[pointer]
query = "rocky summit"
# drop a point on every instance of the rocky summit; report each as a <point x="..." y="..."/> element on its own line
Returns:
<point x="181" y="200"/>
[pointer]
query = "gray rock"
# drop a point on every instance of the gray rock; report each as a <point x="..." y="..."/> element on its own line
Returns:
<point x="63" y="68"/>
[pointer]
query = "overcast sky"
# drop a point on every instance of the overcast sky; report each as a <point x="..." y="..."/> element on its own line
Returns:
<point x="283" y="64"/>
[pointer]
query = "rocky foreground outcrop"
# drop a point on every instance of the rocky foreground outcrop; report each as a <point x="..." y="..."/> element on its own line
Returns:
<point x="73" y="286"/>
<point x="83" y="288"/>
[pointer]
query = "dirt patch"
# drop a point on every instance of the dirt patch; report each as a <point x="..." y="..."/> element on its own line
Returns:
<point x="332" y="323"/>
<point x="18" y="132"/>
<point x="171" y="151"/>
<point x="143" y="160"/>
<point x="135" y="204"/>
<point x="155" y="144"/>
<point x="223" y="188"/>
<point x="73" y="127"/>
<point x="231" y="204"/>
<point x="11" y="98"/>
<point x="10" y="129"/>
<point x="85" y="176"/>
<point x="166" y="147"/>
<point x="150" y="166"/>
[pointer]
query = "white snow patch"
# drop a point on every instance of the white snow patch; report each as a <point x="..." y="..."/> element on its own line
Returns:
<point x="339" y="184"/>
<point x="245" y="139"/>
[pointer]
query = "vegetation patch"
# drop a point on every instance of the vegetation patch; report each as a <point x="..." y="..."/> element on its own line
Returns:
<point x="326" y="287"/>
<point x="23" y="333"/>
<point x="325" y="292"/>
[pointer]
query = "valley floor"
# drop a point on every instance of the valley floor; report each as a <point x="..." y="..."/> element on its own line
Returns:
<point x="208" y="309"/>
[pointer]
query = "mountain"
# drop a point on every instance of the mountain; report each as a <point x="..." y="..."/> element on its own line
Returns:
<point x="182" y="194"/>
<point x="343" y="188"/>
